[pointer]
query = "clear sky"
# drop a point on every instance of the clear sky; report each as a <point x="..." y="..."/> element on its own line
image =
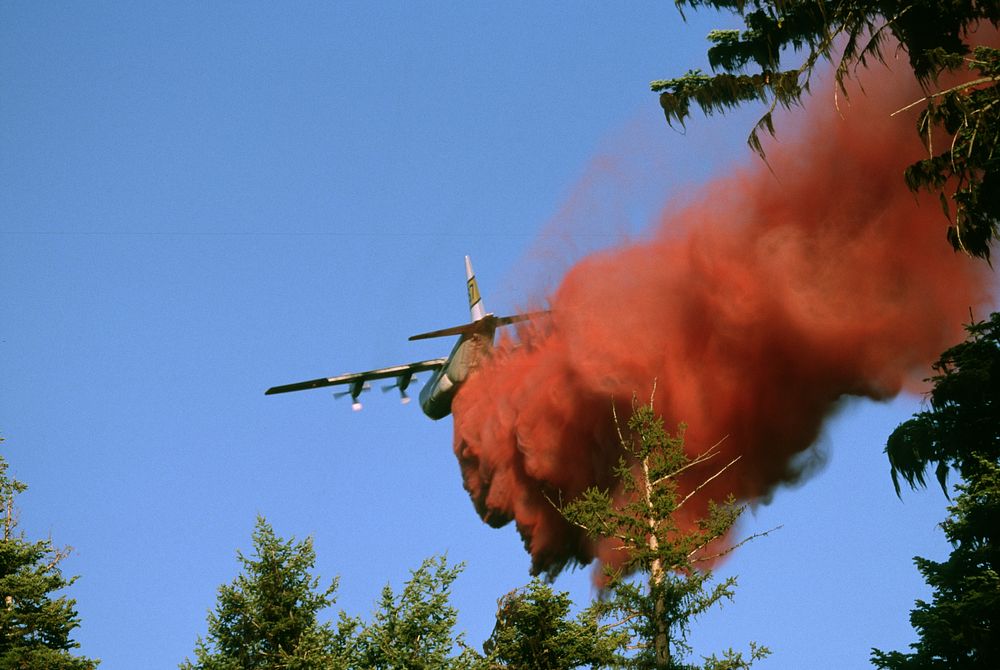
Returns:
<point x="199" y="201"/>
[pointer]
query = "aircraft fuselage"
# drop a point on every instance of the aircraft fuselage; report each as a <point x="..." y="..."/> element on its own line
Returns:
<point x="438" y="392"/>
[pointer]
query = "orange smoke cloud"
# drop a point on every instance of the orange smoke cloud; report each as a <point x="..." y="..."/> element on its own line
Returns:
<point x="754" y="309"/>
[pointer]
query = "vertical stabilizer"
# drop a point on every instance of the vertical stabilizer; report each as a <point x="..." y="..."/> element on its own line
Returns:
<point x="475" y="300"/>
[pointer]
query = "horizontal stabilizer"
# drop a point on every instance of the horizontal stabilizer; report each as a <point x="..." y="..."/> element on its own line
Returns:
<point x="484" y="325"/>
<point x="467" y="329"/>
<point x="507" y="320"/>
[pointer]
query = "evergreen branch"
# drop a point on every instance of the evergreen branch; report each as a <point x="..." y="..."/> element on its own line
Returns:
<point x="626" y="540"/>
<point x="617" y="624"/>
<point x="703" y="457"/>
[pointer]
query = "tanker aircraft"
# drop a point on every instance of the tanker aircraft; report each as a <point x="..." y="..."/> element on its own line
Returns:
<point x="474" y="343"/>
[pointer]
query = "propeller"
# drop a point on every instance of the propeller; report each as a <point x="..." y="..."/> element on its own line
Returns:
<point x="401" y="383"/>
<point x="356" y="389"/>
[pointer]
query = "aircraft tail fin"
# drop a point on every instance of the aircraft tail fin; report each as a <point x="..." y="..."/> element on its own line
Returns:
<point x="476" y="307"/>
<point x="482" y="321"/>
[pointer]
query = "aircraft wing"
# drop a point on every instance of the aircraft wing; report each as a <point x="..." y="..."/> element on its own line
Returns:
<point x="381" y="373"/>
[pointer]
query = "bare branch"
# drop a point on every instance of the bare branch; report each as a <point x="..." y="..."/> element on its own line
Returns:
<point x="618" y="425"/>
<point x="705" y="483"/>
<point x="953" y="89"/>
<point x="730" y="549"/>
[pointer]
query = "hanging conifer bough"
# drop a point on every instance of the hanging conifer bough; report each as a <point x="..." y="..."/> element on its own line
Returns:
<point x="938" y="37"/>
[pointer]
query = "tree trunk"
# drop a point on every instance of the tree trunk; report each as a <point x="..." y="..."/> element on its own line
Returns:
<point x="661" y="643"/>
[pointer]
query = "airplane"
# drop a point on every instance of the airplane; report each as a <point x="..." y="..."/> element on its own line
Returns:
<point x="474" y="343"/>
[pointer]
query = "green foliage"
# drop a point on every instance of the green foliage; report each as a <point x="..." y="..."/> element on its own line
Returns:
<point x="962" y="426"/>
<point x="960" y="627"/>
<point x="733" y="660"/>
<point x="35" y="628"/>
<point x="535" y="632"/>
<point x="970" y="115"/>
<point x="414" y="629"/>
<point x="655" y="615"/>
<point x="749" y="67"/>
<point x="267" y="617"/>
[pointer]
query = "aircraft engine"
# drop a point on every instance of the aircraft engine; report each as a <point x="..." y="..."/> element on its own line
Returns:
<point x="356" y="389"/>
<point x="402" y="383"/>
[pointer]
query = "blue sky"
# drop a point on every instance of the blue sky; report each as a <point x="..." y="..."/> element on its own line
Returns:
<point x="200" y="201"/>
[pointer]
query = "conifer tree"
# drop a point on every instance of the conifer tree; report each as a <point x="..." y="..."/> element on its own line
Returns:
<point x="959" y="629"/>
<point x="534" y="631"/>
<point x="415" y="628"/>
<point x="35" y="626"/>
<point x="960" y="430"/>
<point x="655" y="610"/>
<point x="960" y="626"/>
<point x="268" y="617"/>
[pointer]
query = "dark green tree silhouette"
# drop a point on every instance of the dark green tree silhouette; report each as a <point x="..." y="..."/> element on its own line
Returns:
<point x="35" y="626"/>
<point x="960" y="627"/>
<point x="751" y="65"/>
<point x="268" y="617"/>
<point x="961" y="429"/>
<point x="534" y="631"/>
<point x="415" y="628"/>
<point x="655" y="611"/>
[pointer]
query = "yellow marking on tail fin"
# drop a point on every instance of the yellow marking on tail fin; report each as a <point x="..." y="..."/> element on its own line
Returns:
<point x="474" y="296"/>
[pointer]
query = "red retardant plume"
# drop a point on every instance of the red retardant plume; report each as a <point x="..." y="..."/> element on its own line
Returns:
<point x="753" y="310"/>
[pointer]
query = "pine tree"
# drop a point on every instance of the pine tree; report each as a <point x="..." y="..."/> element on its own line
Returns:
<point x="414" y="629"/>
<point x="35" y="627"/>
<point x="534" y="631"/>
<point x="961" y="427"/>
<point x="960" y="627"/>
<point x="655" y="613"/>
<point x="268" y="617"/>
